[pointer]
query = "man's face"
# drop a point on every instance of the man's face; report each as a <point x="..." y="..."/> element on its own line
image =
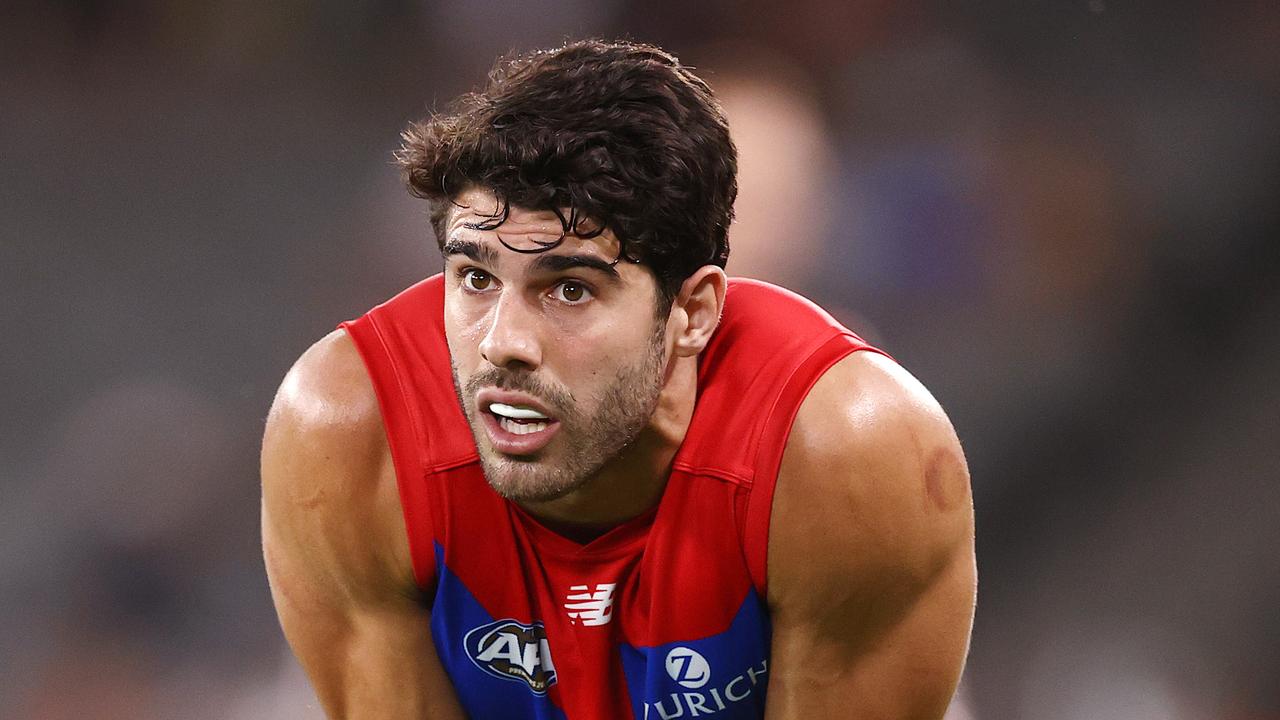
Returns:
<point x="558" y="358"/>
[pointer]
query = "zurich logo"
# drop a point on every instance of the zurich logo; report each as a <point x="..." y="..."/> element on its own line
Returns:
<point x="513" y="651"/>
<point x="687" y="667"/>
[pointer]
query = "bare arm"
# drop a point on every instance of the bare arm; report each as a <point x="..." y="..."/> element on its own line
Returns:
<point x="334" y="541"/>
<point x="871" y="567"/>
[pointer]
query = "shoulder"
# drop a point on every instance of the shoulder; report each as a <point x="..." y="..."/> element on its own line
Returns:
<point x="326" y="409"/>
<point x="873" y="491"/>
<point x="871" y="568"/>
<point x="328" y="485"/>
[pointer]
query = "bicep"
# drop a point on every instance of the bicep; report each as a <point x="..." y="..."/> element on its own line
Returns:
<point x="899" y="657"/>
<point x="336" y="551"/>
<point x="871" y="564"/>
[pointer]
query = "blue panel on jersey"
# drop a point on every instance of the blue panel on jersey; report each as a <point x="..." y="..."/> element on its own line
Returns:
<point x="723" y="676"/>
<point x="500" y="668"/>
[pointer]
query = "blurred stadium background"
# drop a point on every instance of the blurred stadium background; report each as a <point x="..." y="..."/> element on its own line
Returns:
<point x="1061" y="216"/>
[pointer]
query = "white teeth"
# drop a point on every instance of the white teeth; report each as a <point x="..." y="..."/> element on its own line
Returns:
<point x="518" y="413"/>
<point x="516" y="428"/>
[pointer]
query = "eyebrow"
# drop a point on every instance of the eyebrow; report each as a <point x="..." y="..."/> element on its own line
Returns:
<point x="482" y="254"/>
<point x="560" y="263"/>
<point x="486" y="255"/>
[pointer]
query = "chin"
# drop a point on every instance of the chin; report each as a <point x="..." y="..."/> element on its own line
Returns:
<point x="528" y="480"/>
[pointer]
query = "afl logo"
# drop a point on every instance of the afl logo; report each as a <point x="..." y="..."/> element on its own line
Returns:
<point x="687" y="667"/>
<point x="513" y="651"/>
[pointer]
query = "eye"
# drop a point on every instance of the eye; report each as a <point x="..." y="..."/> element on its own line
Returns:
<point x="572" y="292"/>
<point x="477" y="280"/>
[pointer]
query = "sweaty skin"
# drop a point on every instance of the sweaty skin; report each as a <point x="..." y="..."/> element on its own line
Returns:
<point x="871" y="575"/>
<point x="507" y="315"/>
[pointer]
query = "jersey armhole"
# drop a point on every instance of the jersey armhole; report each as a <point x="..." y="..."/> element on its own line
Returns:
<point x="773" y="443"/>
<point x="404" y="438"/>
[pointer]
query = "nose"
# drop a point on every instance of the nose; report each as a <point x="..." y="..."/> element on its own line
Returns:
<point x="511" y="340"/>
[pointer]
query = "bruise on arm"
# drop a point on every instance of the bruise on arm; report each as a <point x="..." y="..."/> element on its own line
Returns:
<point x="871" y="569"/>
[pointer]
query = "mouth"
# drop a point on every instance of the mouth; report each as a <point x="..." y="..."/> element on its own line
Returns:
<point x="516" y="424"/>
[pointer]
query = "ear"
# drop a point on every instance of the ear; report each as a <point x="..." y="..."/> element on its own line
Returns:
<point x="695" y="312"/>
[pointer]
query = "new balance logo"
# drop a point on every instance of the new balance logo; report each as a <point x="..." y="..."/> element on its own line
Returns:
<point x="592" y="608"/>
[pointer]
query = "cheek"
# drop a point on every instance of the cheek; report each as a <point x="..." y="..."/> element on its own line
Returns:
<point x="463" y="335"/>
<point x="591" y="358"/>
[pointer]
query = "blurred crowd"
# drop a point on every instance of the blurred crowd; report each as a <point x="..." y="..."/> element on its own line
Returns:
<point x="1062" y="217"/>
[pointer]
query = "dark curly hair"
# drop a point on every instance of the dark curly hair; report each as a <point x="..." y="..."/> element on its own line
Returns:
<point x="620" y="133"/>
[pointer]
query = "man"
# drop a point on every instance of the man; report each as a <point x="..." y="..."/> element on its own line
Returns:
<point x="581" y="473"/>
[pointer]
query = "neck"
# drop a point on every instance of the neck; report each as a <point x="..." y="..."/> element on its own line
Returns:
<point x="634" y="480"/>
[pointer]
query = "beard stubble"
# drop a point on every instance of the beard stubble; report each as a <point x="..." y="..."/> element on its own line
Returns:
<point x="585" y="441"/>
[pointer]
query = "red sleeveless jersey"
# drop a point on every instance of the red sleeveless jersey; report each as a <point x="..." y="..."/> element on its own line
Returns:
<point x="661" y="617"/>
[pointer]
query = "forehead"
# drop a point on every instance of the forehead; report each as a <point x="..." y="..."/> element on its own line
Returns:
<point x="523" y="229"/>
